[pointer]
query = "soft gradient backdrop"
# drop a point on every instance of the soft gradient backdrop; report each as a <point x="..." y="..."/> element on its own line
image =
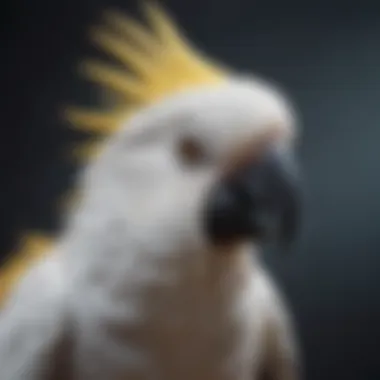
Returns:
<point x="325" y="53"/>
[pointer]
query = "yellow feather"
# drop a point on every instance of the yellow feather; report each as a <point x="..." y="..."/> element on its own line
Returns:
<point x="33" y="247"/>
<point x="122" y="51"/>
<point x="114" y="79"/>
<point x="162" y="25"/>
<point x="86" y="152"/>
<point x="130" y="29"/>
<point x="93" y="121"/>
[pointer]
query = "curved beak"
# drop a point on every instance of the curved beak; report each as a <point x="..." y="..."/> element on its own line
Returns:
<point x="259" y="201"/>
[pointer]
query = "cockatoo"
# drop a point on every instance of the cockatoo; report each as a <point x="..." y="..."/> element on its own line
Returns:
<point x="157" y="274"/>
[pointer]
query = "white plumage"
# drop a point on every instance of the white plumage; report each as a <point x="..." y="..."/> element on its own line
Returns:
<point x="133" y="289"/>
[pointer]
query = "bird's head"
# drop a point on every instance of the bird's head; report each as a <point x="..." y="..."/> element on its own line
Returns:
<point x="207" y="159"/>
<point x="212" y="165"/>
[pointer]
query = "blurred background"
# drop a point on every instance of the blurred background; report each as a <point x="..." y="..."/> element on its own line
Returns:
<point x="326" y="54"/>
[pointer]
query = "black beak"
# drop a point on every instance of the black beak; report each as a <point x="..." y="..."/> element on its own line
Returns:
<point x="260" y="201"/>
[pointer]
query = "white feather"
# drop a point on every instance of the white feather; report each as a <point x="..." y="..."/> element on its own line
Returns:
<point x="137" y="287"/>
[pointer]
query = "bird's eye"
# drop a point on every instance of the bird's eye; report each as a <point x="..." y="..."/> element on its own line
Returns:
<point x="191" y="151"/>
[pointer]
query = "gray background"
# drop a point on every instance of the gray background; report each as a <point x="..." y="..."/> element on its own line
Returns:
<point x="325" y="53"/>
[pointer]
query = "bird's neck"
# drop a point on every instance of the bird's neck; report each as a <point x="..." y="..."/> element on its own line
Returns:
<point x="112" y="253"/>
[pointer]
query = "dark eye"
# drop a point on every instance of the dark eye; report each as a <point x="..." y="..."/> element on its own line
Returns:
<point x="191" y="151"/>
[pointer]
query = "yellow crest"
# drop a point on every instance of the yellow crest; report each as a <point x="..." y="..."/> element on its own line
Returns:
<point x="150" y="63"/>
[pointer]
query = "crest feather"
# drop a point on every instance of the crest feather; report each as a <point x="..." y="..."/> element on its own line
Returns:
<point x="114" y="79"/>
<point x="155" y="61"/>
<point x="96" y="122"/>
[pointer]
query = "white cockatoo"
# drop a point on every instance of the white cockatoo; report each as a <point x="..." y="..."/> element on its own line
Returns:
<point x="157" y="274"/>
